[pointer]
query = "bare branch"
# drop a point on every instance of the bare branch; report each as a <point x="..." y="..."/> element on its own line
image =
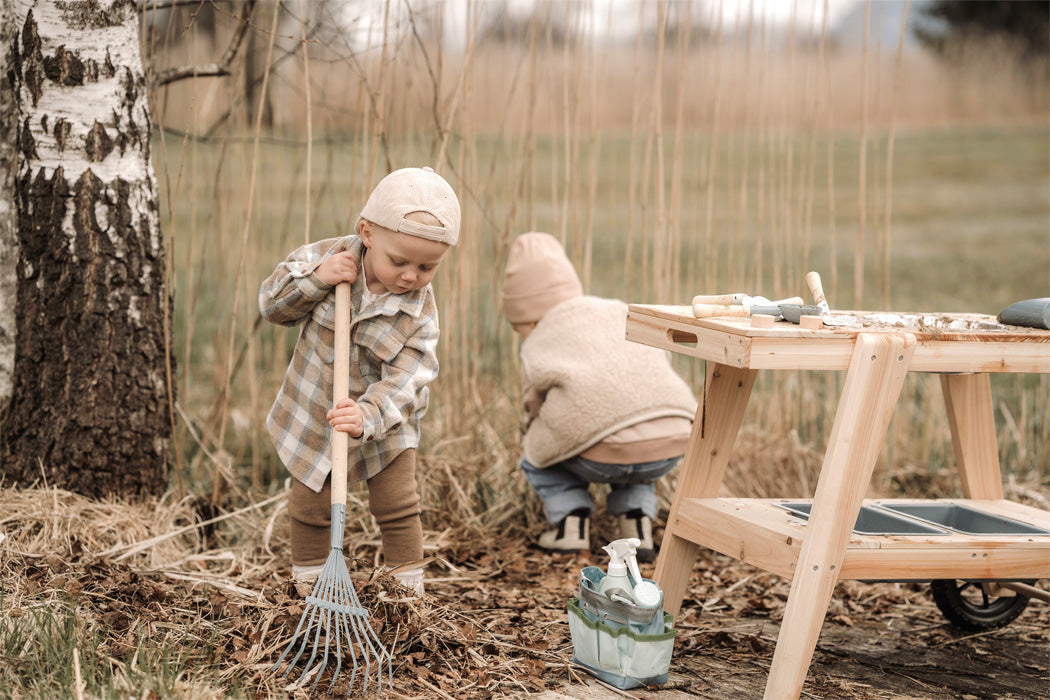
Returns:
<point x="156" y="5"/>
<point x="212" y="69"/>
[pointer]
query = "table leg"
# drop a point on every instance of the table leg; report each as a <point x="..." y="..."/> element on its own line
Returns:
<point x="869" y="395"/>
<point x="971" y="416"/>
<point x="718" y="418"/>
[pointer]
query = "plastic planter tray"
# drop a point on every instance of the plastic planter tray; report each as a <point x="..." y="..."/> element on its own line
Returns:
<point x="964" y="519"/>
<point x="874" y="521"/>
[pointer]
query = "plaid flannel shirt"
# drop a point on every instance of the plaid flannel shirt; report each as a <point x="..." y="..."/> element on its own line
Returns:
<point x="393" y="357"/>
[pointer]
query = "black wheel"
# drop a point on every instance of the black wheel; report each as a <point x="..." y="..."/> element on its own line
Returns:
<point x="967" y="606"/>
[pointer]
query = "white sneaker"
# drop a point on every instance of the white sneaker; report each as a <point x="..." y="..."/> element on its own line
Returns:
<point x="635" y="524"/>
<point x="304" y="578"/>
<point x="572" y="534"/>
<point x="412" y="580"/>
<point x="306" y="574"/>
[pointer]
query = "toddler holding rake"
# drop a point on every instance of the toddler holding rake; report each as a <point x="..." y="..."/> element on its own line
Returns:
<point x="406" y="227"/>
<point x="598" y="408"/>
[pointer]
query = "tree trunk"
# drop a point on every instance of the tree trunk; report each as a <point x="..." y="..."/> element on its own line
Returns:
<point x="8" y="214"/>
<point x="89" y="408"/>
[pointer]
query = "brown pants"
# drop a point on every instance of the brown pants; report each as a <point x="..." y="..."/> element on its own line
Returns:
<point x="393" y="500"/>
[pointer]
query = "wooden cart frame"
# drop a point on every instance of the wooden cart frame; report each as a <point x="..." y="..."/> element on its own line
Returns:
<point x="816" y="554"/>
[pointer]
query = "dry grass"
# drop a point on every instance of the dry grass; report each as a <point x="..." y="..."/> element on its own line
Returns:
<point x="126" y="599"/>
<point x="215" y="601"/>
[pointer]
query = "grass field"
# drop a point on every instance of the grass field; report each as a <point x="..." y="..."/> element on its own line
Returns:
<point x="668" y="166"/>
<point x="959" y="224"/>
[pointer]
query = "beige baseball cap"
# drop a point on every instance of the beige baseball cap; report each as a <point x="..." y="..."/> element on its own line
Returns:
<point x="539" y="275"/>
<point x="410" y="190"/>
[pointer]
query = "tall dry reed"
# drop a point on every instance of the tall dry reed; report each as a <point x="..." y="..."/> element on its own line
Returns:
<point x="726" y="156"/>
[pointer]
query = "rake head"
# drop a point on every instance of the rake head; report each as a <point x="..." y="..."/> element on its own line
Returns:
<point x="334" y="612"/>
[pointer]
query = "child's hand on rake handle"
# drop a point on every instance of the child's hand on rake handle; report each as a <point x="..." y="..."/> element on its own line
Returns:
<point x="340" y="267"/>
<point x="347" y="417"/>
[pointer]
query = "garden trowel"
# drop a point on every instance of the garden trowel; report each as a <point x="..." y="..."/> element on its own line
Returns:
<point x="742" y="305"/>
<point x="829" y="319"/>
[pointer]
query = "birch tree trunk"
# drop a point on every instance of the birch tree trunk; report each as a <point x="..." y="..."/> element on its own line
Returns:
<point x="89" y="399"/>
<point x="8" y="216"/>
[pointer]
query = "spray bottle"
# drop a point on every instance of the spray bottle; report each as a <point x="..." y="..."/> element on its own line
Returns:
<point x="643" y="594"/>
<point x="620" y="552"/>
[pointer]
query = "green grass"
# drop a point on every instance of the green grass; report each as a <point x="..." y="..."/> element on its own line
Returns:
<point x="59" y="649"/>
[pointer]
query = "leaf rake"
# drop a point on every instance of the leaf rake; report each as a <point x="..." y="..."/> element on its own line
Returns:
<point x="333" y="608"/>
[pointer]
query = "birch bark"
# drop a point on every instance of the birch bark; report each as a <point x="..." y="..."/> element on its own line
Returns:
<point x="8" y="215"/>
<point x="88" y="408"/>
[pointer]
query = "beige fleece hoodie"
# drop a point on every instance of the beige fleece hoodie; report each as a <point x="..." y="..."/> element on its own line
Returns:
<point x="588" y="390"/>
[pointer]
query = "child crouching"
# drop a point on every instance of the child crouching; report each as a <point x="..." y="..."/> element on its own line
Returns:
<point x="598" y="408"/>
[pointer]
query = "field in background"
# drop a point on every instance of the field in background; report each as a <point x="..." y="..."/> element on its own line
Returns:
<point x="667" y="172"/>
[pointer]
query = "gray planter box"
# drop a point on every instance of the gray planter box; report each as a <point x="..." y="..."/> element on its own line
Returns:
<point x="964" y="519"/>
<point x="874" y="521"/>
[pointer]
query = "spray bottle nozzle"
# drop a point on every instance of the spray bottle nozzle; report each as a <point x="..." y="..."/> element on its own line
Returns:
<point x="623" y="556"/>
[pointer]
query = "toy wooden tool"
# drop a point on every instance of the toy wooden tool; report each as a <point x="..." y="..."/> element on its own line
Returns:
<point x="704" y="310"/>
<point x="333" y="608"/>
<point x="817" y="289"/>
<point x="739" y="304"/>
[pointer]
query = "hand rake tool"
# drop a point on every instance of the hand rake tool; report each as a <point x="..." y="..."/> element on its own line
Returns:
<point x="333" y="608"/>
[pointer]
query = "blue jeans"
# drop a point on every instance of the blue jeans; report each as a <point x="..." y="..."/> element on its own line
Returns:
<point x="563" y="487"/>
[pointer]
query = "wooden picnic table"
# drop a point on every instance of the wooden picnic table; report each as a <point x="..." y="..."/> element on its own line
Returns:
<point x="876" y="352"/>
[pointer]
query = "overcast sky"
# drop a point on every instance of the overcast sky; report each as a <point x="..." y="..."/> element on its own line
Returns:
<point x="621" y="15"/>
<point x="618" y="18"/>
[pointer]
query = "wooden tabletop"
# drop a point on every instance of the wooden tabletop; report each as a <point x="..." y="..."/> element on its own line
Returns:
<point x="946" y="342"/>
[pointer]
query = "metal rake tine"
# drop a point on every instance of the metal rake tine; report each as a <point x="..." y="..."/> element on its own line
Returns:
<point x="342" y="631"/>
<point x="316" y="616"/>
<point x="352" y="621"/>
<point x="348" y="624"/>
<point x="327" y="617"/>
<point x="310" y="613"/>
<point x="380" y="652"/>
<point x="367" y="657"/>
<point x="365" y="636"/>
<point x="317" y="637"/>
<point x="295" y="638"/>
<point x="322" y="591"/>
<point x="344" y="588"/>
<point x="389" y="663"/>
<point x="312" y="610"/>
<point x="338" y="651"/>
<point x="345" y="625"/>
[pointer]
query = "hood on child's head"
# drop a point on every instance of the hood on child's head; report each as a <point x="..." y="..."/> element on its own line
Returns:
<point x="539" y="275"/>
<point x="413" y="191"/>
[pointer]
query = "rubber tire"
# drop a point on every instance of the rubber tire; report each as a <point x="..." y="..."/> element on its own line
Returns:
<point x="956" y="600"/>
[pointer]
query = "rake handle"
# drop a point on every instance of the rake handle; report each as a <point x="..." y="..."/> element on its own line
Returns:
<point x="341" y="390"/>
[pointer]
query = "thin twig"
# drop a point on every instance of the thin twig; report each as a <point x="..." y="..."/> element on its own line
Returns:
<point x="436" y="689"/>
<point x="222" y="68"/>
<point x="217" y="489"/>
<point x="136" y="547"/>
<point x="155" y="5"/>
<point x="968" y="637"/>
<point x="228" y="587"/>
